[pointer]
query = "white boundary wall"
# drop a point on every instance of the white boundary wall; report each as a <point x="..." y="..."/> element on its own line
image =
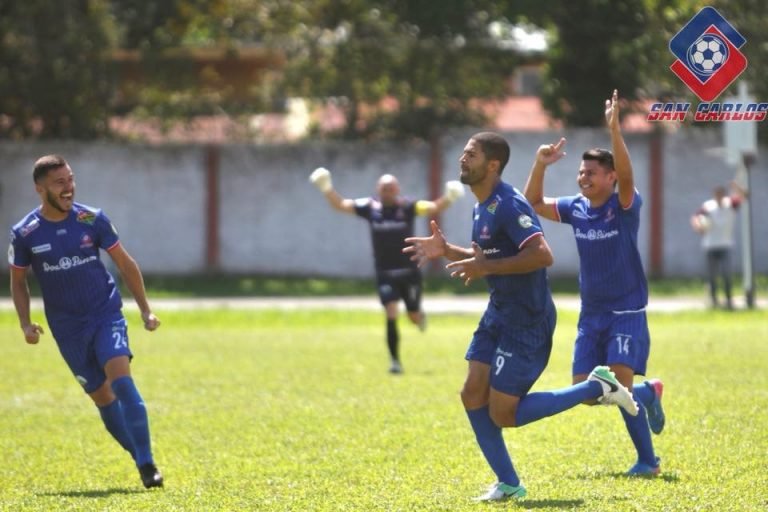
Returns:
<point x="273" y="221"/>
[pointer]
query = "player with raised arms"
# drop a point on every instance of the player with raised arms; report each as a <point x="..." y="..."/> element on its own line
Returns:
<point x="391" y="216"/>
<point x="60" y="241"/>
<point x="512" y="344"/>
<point x="612" y="328"/>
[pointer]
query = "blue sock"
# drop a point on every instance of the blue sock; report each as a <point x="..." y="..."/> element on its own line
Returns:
<point x="136" y="421"/>
<point x="112" y="416"/>
<point x="643" y="393"/>
<point x="535" y="406"/>
<point x="492" y="445"/>
<point x="640" y="432"/>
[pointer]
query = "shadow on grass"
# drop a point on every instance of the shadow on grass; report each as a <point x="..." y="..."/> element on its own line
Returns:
<point x="529" y="504"/>
<point x="94" y="493"/>
<point x="666" y="477"/>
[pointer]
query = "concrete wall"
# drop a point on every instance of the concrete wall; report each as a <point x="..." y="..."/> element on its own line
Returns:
<point x="273" y="221"/>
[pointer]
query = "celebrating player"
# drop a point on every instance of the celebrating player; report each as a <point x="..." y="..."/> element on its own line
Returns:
<point x="390" y="216"/>
<point x="513" y="342"/>
<point x="613" y="328"/>
<point x="60" y="240"/>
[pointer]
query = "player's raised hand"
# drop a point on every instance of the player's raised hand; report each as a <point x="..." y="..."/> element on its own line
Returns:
<point x="550" y="153"/>
<point x="151" y="322"/>
<point x="32" y="333"/>
<point x="454" y="189"/>
<point x="321" y="178"/>
<point x="423" y="249"/>
<point x="612" y="110"/>
<point x="470" y="268"/>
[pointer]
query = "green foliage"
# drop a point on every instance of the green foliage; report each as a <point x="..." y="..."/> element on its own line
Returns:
<point x="750" y="17"/>
<point x="431" y="59"/>
<point x="54" y="78"/>
<point x="151" y="26"/>
<point x="396" y="68"/>
<point x="277" y="411"/>
<point x="600" y="52"/>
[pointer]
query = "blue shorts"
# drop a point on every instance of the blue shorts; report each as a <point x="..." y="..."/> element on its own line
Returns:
<point x="612" y="338"/>
<point x="517" y="354"/>
<point x="404" y="284"/>
<point x="87" y="351"/>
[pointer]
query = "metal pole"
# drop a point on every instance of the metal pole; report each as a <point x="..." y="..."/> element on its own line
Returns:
<point x="746" y="217"/>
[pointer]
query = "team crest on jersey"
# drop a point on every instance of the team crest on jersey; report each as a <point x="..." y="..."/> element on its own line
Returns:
<point x="25" y="230"/>
<point x="86" y="241"/>
<point x="86" y="217"/>
<point x="485" y="233"/>
<point x="525" y="221"/>
<point x="492" y="207"/>
<point x="609" y="215"/>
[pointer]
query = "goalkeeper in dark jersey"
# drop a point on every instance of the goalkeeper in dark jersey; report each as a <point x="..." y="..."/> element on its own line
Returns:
<point x="390" y="217"/>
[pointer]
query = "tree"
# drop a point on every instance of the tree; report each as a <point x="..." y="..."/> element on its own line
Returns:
<point x="430" y="58"/>
<point x="599" y="47"/>
<point x="54" y="80"/>
<point x="750" y="18"/>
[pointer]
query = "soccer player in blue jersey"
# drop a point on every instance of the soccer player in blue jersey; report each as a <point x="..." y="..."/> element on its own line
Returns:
<point x="612" y="329"/>
<point x="391" y="216"/>
<point x="513" y="342"/>
<point x="60" y="242"/>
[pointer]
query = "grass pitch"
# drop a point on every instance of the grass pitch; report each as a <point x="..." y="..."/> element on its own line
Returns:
<point x="268" y="410"/>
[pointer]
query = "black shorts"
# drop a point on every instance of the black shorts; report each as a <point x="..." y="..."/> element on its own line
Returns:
<point x="405" y="284"/>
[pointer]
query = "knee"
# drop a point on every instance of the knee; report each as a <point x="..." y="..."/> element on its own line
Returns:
<point x="103" y="396"/>
<point x="473" y="397"/>
<point x="503" y="418"/>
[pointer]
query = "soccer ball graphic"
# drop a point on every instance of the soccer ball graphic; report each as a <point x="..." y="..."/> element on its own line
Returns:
<point x="707" y="54"/>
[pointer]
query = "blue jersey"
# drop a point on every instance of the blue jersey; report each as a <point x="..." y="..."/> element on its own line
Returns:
<point x="611" y="276"/>
<point x="502" y="225"/>
<point x="64" y="255"/>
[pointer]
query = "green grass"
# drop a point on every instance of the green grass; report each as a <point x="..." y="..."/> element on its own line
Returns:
<point x="267" y="410"/>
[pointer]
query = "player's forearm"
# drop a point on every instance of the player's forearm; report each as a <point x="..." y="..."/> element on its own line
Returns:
<point x="528" y="260"/>
<point x="457" y="253"/>
<point x="21" y="299"/>
<point x="441" y="204"/>
<point x="621" y="160"/>
<point x="534" y="187"/>
<point x="135" y="283"/>
<point x="337" y="202"/>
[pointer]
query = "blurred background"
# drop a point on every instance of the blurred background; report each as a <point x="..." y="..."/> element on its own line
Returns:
<point x="194" y="124"/>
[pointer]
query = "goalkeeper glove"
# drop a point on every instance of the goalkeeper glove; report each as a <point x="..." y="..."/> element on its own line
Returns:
<point x="321" y="178"/>
<point x="453" y="190"/>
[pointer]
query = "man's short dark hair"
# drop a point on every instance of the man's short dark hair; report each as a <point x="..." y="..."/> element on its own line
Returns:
<point x="601" y="156"/>
<point x="494" y="146"/>
<point x="45" y="164"/>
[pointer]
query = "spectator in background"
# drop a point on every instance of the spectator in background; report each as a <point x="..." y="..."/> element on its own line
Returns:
<point x="391" y="217"/>
<point x="715" y="221"/>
